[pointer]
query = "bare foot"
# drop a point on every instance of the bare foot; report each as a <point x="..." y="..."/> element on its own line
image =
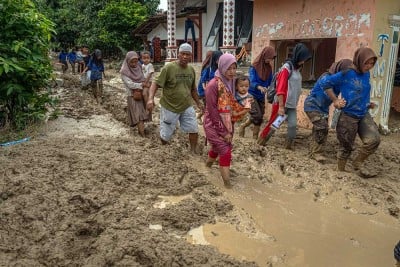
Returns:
<point x="227" y="183"/>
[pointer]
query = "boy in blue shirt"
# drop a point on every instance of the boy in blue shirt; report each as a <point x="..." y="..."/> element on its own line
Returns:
<point x="62" y="58"/>
<point x="96" y="67"/>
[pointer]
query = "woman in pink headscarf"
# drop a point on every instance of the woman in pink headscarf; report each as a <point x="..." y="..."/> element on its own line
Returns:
<point x="221" y="109"/>
<point x="133" y="78"/>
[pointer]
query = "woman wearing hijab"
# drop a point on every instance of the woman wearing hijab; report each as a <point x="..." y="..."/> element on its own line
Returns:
<point x="355" y="88"/>
<point x="133" y="78"/>
<point x="316" y="106"/>
<point x="218" y="117"/>
<point x="288" y="90"/>
<point x="208" y="69"/>
<point x="260" y="75"/>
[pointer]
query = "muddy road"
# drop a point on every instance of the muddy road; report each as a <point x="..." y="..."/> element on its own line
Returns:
<point x="89" y="191"/>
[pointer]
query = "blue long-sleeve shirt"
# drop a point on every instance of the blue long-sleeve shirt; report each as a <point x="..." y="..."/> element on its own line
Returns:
<point x="318" y="100"/>
<point x="62" y="57"/>
<point x="72" y="57"/>
<point x="355" y="89"/>
<point x="256" y="81"/>
<point x="206" y="75"/>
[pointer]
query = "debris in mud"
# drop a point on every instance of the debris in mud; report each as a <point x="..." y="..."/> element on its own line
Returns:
<point x="394" y="211"/>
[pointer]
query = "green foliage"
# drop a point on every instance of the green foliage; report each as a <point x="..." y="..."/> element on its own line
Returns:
<point x="24" y="63"/>
<point x="103" y="24"/>
<point x="118" y="19"/>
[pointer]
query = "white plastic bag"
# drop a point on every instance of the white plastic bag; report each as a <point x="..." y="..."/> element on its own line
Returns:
<point x="85" y="78"/>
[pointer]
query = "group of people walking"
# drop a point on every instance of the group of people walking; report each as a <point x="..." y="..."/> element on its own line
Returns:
<point x="78" y="57"/>
<point x="89" y="66"/>
<point x="225" y="98"/>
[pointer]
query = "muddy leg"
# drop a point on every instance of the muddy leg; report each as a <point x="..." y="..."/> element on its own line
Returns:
<point x="193" y="140"/>
<point x="140" y="126"/>
<point x="226" y="177"/>
<point x="212" y="157"/>
<point x="145" y="99"/>
<point x="243" y="126"/>
<point x="100" y="91"/>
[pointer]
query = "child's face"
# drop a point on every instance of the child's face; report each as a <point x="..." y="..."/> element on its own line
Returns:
<point x="133" y="62"/>
<point x="243" y="86"/>
<point x="146" y="58"/>
<point x="85" y="50"/>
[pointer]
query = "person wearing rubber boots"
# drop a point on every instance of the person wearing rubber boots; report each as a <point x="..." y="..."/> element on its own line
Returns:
<point x="355" y="118"/>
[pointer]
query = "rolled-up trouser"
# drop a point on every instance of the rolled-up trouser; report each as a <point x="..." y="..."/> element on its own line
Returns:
<point x="320" y="126"/>
<point x="292" y="123"/>
<point x="257" y="112"/>
<point x="347" y="129"/>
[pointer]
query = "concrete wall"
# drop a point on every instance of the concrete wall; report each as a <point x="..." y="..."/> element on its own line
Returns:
<point x="353" y="23"/>
<point x="161" y="31"/>
<point x="348" y="21"/>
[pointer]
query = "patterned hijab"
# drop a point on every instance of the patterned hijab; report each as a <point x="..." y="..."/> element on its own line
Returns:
<point x="135" y="74"/>
<point x="341" y="65"/>
<point x="362" y="55"/>
<point x="224" y="62"/>
<point x="262" y="68"/>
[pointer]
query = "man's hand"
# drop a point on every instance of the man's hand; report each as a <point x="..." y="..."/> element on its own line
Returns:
<point x="200" y="106"/>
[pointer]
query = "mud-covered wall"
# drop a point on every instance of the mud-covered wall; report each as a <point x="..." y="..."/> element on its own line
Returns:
<point x="348" y="21"/>
<point x="352" y="23"/>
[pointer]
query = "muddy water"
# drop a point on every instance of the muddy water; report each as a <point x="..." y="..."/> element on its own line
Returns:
<point x="100" y="125"/>
<point x="293" y="229"/>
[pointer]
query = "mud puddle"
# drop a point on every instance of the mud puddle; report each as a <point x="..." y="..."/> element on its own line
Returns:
<point x="296" y="228"/>
<point x="96" y="125"/>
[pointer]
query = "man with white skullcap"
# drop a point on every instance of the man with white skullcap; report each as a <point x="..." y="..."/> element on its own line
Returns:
<point x="179" y="90"/>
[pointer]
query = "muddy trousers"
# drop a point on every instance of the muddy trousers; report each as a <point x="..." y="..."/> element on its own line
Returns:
<point x="319" y="131"/>
<point x="291" y="127"/>
<point x="97" y="89"/>
<point x="72" y="67"/>
<point x="347" y="129"/>
<point x="64" y="66"/>
<point x="257" y="112"/>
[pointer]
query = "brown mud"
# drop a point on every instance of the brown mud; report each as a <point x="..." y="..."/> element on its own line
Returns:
<point x="89" y="191"/>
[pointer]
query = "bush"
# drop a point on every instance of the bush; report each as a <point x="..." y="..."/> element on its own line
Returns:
<point x="25" y="66"/>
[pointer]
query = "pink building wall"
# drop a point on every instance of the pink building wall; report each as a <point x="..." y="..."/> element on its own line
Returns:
<point x="348" y="21"/>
